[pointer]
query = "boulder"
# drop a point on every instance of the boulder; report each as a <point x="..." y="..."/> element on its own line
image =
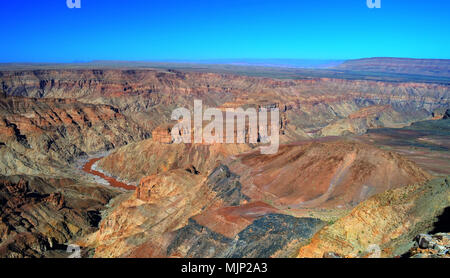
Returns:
<point x="425" y="241"/>
<point x="331" y="255"/>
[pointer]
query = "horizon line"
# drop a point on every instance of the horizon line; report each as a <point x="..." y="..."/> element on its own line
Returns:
<point x="182" y="60"/>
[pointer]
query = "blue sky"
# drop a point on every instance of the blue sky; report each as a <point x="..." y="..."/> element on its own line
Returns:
<point x="48" y="31"/>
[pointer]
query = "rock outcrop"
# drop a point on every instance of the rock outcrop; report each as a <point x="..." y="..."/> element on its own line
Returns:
<point x="261" y="239"/>
<point x="390" y="220"/>
<point x="145" y="158"/>
<point x="38" y="215"/>
<point x="441" y="114"/>
<point x="325" y="173"/>
<point x="162" y="134"/>
<point x="430" y="246"/>
<point x="141" y="224"/>
<point x="371" y="117"/>
<point x="44" y="136"/>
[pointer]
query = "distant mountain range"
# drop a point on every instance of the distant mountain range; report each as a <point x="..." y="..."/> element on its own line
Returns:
<point x="377" y="69"/>
<point x="428" y="67"/>
<point x="282" y="63"/>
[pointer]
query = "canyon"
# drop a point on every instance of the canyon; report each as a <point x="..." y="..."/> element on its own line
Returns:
<point x="87" y="158"/>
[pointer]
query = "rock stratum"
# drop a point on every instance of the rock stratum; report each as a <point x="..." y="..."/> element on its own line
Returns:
<point x="309" y="105"/>
<point x="42" y="136"/>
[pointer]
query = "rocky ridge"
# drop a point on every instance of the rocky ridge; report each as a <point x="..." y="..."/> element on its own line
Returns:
<point x="390" y="220"/>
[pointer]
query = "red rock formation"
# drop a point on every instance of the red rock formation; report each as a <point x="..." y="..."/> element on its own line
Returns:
<point x="146" y="158"/>
<point x="162" y="134"/>
<point x="371" y="111"/>
<point x="229" y="221"/>
<point x="56" y="199"/>
<point x="328" y="174"/>
<point x="323" y="174"/>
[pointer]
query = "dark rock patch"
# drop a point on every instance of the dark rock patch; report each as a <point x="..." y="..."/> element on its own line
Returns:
<point x="227" y="185"/>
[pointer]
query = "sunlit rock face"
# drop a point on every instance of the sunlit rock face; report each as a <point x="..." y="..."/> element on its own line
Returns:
<point x="325" y="173"/>
<point x="390" y="220"/>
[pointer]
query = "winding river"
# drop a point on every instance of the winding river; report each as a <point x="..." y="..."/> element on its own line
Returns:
<point x="112" y="181"/>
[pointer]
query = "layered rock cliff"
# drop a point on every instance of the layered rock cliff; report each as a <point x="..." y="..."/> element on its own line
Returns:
<point x="44" y="136"/>
<point x="149" y="96"/>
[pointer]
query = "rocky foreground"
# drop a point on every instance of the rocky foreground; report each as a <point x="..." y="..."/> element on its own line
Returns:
<point x="390" y="220"/>
<point x="431" y="246"/>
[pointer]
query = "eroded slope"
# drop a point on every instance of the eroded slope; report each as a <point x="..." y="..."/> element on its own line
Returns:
<point x="390" y="220"/>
